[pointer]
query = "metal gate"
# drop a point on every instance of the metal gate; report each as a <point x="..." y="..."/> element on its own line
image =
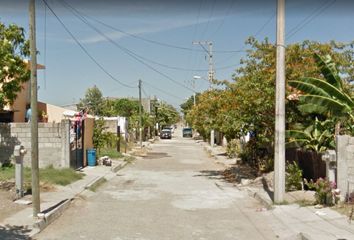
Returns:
<point x="77" y="143"/>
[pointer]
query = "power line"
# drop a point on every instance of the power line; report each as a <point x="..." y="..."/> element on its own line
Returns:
<point x="309" y="18"/>
<point x="210" y="16"/>
<point x="145" y="94"/>
<point x="125" y="50"/>
<point x="150" y="40"/>
<point x="232" y="2"/>
<point x="84" y="49"/>
<point x="163" y="91"/>
<point x="255" y="35"/>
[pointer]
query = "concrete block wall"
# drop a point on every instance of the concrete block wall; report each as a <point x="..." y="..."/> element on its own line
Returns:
<point x="345" y="164"/>
<point x="53" y="142"/>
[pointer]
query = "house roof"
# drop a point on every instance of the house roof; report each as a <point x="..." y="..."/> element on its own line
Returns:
<point x="28" y="62"/>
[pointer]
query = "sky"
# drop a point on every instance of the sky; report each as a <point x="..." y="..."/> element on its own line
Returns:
<point x="113" y="44"/>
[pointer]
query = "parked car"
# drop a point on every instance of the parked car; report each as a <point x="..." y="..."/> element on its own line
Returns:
<point x="187" y="132"/>
<point x="166" y="133"/>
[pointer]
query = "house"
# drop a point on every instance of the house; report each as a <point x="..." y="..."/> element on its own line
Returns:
<point x="16" y="112"/>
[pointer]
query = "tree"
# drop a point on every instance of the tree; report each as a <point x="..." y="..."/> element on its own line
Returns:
<point x="92" y="102"/>
<point x="13" y="49"/>
<point x="247" y="104"/>
<point x="125" y="107"/>
<point x="166" y="114"/>
<point x="189" y="103"/>
<point x="202" y="117"/>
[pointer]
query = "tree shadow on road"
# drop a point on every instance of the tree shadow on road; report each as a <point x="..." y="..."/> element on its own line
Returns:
<point x="8" y="232"/>
<point x="156" y="155"/>
<point x="232" y="174"/>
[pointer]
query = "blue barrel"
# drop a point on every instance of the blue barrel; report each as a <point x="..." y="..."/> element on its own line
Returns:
<point x="91" y="157"/>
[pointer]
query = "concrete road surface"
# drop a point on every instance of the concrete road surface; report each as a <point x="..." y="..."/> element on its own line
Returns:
<point x="174" y="193"/>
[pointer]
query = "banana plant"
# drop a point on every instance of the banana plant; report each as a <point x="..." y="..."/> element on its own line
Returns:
<point x="317" y="137"/>
<point x="324" y="96"/>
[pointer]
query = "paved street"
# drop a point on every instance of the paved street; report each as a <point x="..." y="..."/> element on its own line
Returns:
<point x="173" y="193"/>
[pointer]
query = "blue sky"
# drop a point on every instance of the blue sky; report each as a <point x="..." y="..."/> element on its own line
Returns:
<point x="227" y="23"/>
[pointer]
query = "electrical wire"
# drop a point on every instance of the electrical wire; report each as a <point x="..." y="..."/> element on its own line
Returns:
<point x="125" y="50"/>
<point x="84" y="49"/>
<point x="163" y="91"/>
<point x="85" y="17"/>
<point x="228" y="11"/>
<point x="309" y="18"/>
<point x="150" y="40"/>
<point x="145" y="94"/>
<point x="208" y="22"/>
<point x="255" y="35"/>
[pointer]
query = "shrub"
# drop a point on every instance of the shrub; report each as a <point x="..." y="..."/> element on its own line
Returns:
<point x="293" y="178"/>
<point x="326" y="192"/>
<point x="233" y="148"/>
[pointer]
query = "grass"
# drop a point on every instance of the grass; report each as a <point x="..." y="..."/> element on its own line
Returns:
<point x="110" y="152"/>
<point x="62" y="177"/>
<point x="48" y="175"/>
<point x="6" y="173"/>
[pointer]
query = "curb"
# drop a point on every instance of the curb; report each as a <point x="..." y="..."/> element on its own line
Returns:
<point x="55" y="213"/>
<point x="118" y="167"/>
<point x="263" y="200"/>
<point x="49" y="217"/>
<point x="93" y="183"/>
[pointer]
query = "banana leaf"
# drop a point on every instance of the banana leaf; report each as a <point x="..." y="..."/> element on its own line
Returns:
<point x="329" y="70"/>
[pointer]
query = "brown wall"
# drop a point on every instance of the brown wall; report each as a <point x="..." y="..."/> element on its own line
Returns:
<point x="19" y="105"/>
<point x="88" y="137"/>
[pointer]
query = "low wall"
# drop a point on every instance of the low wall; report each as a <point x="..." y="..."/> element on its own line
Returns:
<point x="53" y="142"/>
<point x="345" y="164"/>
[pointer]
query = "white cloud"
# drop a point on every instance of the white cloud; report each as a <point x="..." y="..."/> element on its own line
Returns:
<point x="158" y="27"/>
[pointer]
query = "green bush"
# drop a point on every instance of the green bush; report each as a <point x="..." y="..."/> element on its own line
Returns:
<point x="110" y="140"/>
<point x="102" y="139"/>
<point x="293" y="178"/>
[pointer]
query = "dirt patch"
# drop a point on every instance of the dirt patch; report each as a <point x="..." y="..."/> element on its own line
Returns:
<point x="234" y="174"/>
<point x="155" y="155"/>
<point x="7" y="205"/>
<point x="346" y="209"/>
<point x="8" y="195"/>
<point x="238" y="172"/>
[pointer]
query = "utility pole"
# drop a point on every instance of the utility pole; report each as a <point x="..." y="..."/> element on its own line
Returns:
<point x="209" y="51"/>
<point x="140" y="117"/>
<point x="210" y="75"/>
<point x="34" y="109"/>
<point x="279" y="149"/>
<point x="193" y="83"/>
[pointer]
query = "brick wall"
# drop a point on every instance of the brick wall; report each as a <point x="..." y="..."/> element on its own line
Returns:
<point x="53" y="142"/>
